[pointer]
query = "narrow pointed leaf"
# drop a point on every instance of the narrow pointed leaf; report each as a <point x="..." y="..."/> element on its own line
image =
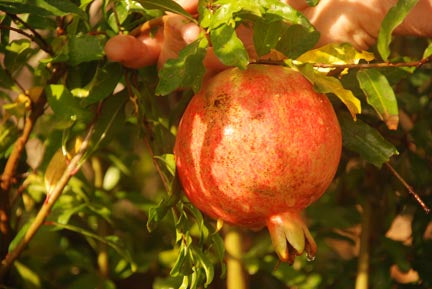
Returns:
<point x="394" y="17"/>
<point x="380" y="96"/>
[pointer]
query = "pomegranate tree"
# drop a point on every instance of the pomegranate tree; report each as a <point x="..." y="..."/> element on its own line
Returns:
<point x="255" y="147"/>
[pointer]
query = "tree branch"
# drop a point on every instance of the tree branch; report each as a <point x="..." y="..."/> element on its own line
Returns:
<point x="8" y="175"/>
<point x="36" y="37"/>
<point x="51" y="198"/>
<point x="409" y="188"/>
<point x="416" y="64"/>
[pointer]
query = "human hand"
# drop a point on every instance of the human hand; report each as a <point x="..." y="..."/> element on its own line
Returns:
<point x="355" y="21"/>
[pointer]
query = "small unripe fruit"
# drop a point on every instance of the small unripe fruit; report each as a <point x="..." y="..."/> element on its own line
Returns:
<point x="255" y="147"/>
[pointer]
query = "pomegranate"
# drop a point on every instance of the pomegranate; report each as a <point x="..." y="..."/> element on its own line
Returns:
<point x="255" y="147"/>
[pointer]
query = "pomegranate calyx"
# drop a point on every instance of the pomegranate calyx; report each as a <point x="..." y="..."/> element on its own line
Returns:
<point x="290" y="236"/>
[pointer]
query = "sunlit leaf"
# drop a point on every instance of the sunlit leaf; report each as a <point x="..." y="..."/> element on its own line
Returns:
<point x="64" y="104"/>
<point x="228" y="47"/>
<point x="56" y="168"/>
<point x="289" y="14"/>
<point x="31" y="278"/>
<point x="186" y="71"/>
<point x="327" y="84"/>
<point x="8" y="134"/>
<point x="380" y="96"/>
<point x="224" y="12"/>
<point x="17" y="54"/>
<point x="394" y="17"/>
<point x="363" y="139"/>
<point x="169" y="161"/>
<point x="206" y="264"/>
<point x="428" y="51"/>
<point x="111" y="178"/>
<point x="102" y="84"/>
<point x="182" y="255"/>
<point x="335" y="53"/>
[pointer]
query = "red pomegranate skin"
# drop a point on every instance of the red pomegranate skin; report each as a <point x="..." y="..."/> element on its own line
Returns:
<point x="255" y="147"/>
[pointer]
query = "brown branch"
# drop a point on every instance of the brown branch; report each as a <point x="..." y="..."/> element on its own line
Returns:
<point x="409" y="188"/>
<point x="17" y="30"/>
<point x="51" y="198"/>
<point x="36" y="37"/>
<point x="8" y="175"/>
<point x="416" y="64"/>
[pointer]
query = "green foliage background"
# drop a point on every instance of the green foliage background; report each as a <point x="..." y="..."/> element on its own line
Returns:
<point x="122" y="221"/>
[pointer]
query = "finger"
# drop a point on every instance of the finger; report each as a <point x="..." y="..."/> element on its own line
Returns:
<point x="178" y="32"/>
<point x="134" y="52"/>
<point x="188" y="5"/>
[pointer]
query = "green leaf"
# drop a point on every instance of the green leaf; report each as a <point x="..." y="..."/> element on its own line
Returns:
<point x="228" y="47"/>
<point x="394" y="17"/>
<point x="181" y="257"/>
<point x="327" y="84"/>
<point x="31" y="279"/>
<point x="111" y="110"/>
<point x="102" y="84"/>
<point x="380" y="96"/>
<point x="65" y="105"/>
<point x="8" y="134"/>
<point x="18" y="53"/>
<point x="111" y="241"/>
<point x="156" y="214"/>
<point x="84" y="48"/>
<point x="186" y="71"/>
<point x="266" y="35"/>
<point x="169" y="161"/>
<point x="41" y="7"/>
<point x="428" y="51"/>
<point x="359" y="137"/>
<point x="111" y="178"/>
<point x="226" y="12"/>
<point x="312" y="2"/>
<point x="335" y="53"/>
<point x="166" y="6"/>
<point x="296" y="40"/>
<point x="288" y="14"/>
<point x="66" y="214"/>
<point x="206" y="264"/>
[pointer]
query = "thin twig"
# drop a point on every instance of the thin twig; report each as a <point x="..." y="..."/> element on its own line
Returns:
<point x="147" y="140"/>
<point x="36" y="36"/>
<point x="7" y="178"/>
<point x="409" y="188"/>
<point x="50" y="200"/>
<point x="17" y="30"/>
<point x="416" y="64"/>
